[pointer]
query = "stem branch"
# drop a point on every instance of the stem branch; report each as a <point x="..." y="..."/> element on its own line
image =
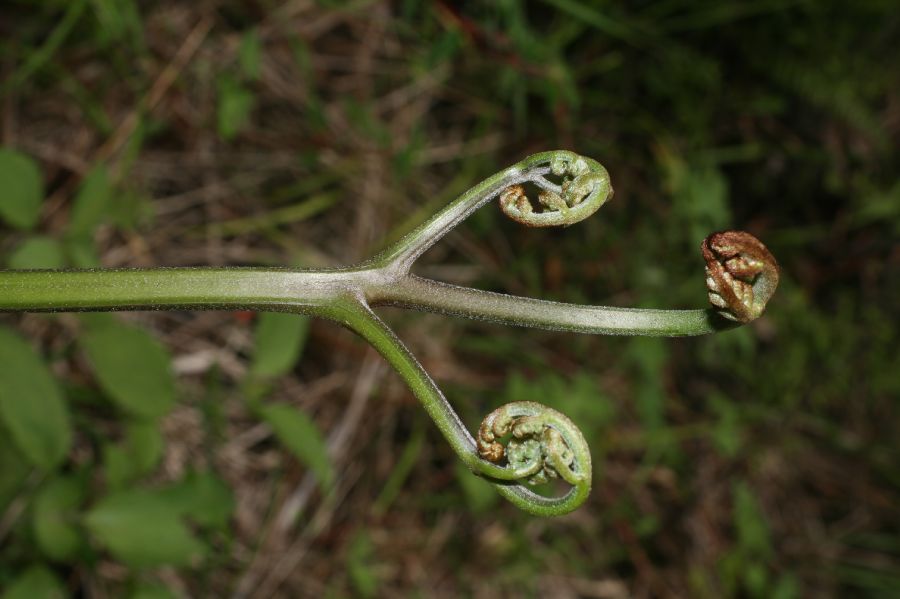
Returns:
<point x="433" y="296"/>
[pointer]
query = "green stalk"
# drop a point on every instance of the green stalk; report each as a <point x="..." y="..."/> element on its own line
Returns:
<point x="433" y="296"/>
<point x="172" y="289"/>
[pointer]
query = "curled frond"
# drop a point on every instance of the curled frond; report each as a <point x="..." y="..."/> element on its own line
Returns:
<point x="741" y="274"/>
<point x="541" y="444"/>
<point x="585" y="187"/>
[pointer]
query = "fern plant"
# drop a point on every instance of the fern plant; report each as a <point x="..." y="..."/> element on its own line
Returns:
<point x="519" y="444"/>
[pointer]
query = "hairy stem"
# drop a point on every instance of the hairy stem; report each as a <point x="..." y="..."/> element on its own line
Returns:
<point x="433" y="296"/>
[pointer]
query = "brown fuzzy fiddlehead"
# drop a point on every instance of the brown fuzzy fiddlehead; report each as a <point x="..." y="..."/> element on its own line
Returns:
<point x="741" y="274"/>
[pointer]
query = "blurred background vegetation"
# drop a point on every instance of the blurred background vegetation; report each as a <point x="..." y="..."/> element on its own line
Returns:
<point x="226" y="454"/>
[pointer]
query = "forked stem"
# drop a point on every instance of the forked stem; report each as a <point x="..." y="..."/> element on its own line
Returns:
<point x="541" y="443"/>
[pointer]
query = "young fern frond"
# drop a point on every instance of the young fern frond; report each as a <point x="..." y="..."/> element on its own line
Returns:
<point x="584" y="189"/>
<point x="741" y="274"/>
<point x="541" y="443"/>
<point x="544" y="443"/>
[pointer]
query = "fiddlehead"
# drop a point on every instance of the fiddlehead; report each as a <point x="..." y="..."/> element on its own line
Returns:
<point x="741" y="274"/>
<point x="543" y="444"/>
<point x="585" y="187"/>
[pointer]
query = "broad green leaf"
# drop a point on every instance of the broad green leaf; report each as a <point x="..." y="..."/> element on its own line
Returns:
<point x="31" y="404"/>
<point x="36" y="582"/>
<point x="143" y="529"/>
<point x="203" y="498"/>
<point x="279" y="342"/>
<point x="54" y="518"/>
<point x="37" y="252"/>
<point x="22" y="189"/>
<point x="91" y="204"/>
<point x="132" y="368"/>
<point x="301" y="437"/>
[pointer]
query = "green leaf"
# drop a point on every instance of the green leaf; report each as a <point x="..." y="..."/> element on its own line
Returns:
<point x="203" y="498"/>
<point x="31" y="404"/>
<point x="36" y="581"/>
<point x="92" y="203"/>
<point x="301" y="437"/>
<point x="143" y="529"/>
<point x="37" y="252"/>
<point x="54" y="518"/>
<point x="132" y="368"/>
<point x="280" y="338"/>
<point x="23" y="189"/>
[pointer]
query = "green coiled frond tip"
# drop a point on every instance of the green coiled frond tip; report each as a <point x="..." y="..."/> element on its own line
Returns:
<point x="585" y="187"/>
<point x="542" y="444"/>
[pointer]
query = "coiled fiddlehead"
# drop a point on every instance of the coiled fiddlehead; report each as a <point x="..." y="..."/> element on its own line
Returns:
<point x="741" y="274"/>
<point x="585" y="187"/>
<point x="543" y="444"/>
